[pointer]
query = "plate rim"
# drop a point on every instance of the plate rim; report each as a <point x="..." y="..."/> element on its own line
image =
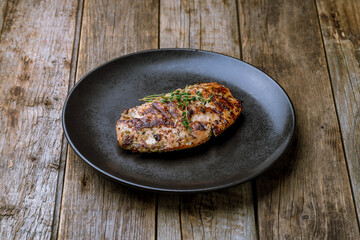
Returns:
<point x="171" y="190"/>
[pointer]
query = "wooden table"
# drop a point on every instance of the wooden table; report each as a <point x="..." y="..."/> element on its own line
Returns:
<point x="312" y="48"/>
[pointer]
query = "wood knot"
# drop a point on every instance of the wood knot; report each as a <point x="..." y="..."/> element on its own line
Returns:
<point x="336" y="21"/>
<point x="335" y="14"/>
<point x="47" y="103"/>
<point x="305" y="216"/>
<point x="84" y="183"/>
<point x="16" y="91"/>
<point x="16" y="94"/>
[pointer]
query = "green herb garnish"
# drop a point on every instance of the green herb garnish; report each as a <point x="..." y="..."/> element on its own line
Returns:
<point x="183" y="98"/>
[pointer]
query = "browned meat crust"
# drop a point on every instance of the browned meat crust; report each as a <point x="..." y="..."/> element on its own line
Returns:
<point x="157" y="126"/>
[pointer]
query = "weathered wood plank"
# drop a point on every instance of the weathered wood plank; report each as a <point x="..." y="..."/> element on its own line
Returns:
<point x="64" y="146"/>
<point x="227" y="214"/>
<point x="340" y="21"/>
<point x="168" y="217"/>
<point x="36" y="42"/>
<point x="94" y="207"/>
<point x="3" y="7"/>
<point x="312" y="197"/>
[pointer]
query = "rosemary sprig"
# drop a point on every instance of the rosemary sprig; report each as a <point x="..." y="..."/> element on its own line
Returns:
<point x="183" y="98"/>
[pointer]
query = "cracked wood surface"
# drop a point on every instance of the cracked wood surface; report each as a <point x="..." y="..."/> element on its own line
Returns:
<point x="93" y="207"/>
<point x="310" y="47"/>
<point x="311" y="196"/>
<point x="340" y="21"/>
<point x="36" y="42"/>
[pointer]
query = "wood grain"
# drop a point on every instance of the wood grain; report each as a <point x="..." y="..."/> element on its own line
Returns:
<point x="312" y="198"/>
<point x="227" y="214"/>
<point x="94" y="207"/>
<point x="340" y="21"/>
<point x="36" y="44"/>
<point x="169" y="217"/>
<point x="3" y="11"/>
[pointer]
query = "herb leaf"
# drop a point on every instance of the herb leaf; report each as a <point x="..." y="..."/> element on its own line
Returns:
<point x="183" y="98"/>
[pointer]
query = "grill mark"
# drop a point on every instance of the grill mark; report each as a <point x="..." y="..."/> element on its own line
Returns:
<point x="173" y="110"/>
<point x="142" y="144"/>
<point x="157" y="114"/>
<point x="128" y="140"/>
<point x="147" y="110"/>
<point x="200" y="126"/>
<point x="221" y="105"/>
<point x="141" y="123"/>
<point x="216" y="130"/>
<point x="239" y="104"/>
<point x="228" y="102"/>
<point x="159" y="107"/>
<point x="217" y="112"/>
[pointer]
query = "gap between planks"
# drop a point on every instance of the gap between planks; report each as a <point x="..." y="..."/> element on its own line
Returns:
<point x="64" y="146"/>
<point x="337" y="110"/>
<point x="330" y="54"/>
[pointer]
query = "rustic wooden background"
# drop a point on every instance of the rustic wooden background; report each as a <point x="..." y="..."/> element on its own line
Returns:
<point x="311" y="47"/>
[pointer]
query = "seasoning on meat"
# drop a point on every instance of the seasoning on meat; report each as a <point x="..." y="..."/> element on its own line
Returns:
<point x="181" y="119"/>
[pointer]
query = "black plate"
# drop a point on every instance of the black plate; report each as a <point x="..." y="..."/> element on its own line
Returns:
<point x="259" y="137"/>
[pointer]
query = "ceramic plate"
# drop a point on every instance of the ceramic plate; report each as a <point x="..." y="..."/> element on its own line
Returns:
<point x="260" y="136"/>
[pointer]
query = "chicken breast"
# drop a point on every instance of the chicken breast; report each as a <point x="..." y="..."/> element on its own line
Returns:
<point x="181" y="119"/>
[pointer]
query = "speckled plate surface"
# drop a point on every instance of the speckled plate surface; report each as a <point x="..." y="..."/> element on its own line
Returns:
<point x="260" y="136"/>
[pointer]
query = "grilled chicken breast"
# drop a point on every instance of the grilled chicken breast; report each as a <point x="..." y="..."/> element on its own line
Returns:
<point x="182" y="119"/>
